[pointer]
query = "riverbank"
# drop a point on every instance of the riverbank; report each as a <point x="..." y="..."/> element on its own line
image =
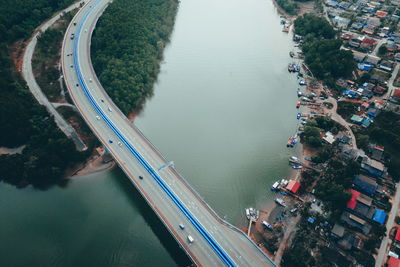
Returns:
<point x="94" y="164"/>
<point x="304" y="7"/>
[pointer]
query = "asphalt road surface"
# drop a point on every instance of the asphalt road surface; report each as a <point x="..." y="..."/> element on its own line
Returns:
<point x="234" y="243"/>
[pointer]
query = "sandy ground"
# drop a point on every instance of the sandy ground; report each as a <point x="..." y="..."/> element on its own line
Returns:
<point x="93" y="165"/>
<point x="10" y="151"/>
<point x="305" y="7"/>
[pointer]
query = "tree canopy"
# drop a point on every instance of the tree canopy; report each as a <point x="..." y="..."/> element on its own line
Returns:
<point x="47" y="151"/>
<point x="322" y="50"/>
<point x="127" y="47"/>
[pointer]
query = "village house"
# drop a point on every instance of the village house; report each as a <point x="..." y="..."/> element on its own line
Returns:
<point x="373" y="60"/>
<point x="328" y="138"/>
<point x="356" y="222"/>
<point x="365" y="184"/>
<point x="373" y="167"/>
<point x="381" y="14"/>
<point x="386" y="65"/>
<point x="377" y="152"/>
<point x="368" y="44"/>
<point x="340" y="23"/>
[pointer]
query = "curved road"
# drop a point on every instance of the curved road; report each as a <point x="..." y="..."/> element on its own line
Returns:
<point x="161" y="189"/>
<point x="28" y="76"/>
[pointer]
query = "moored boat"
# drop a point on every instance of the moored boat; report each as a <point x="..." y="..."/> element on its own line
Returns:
<point x="297" y="167"/>
<point x="252" y="213"/>
<point x="267" y="225"/>
<point x="290" y="141"/>
<point x="275" y="186"/>
<point x="280" y="201"/>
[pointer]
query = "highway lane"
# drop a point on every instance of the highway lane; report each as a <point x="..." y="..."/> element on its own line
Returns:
<point x="236" y="244"/>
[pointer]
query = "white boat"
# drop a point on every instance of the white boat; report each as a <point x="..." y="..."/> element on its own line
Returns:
<point x="297" y="167"/>
<point x="280" y="201"/>
<point x="252" y="213"/>
<point x="284" y="182"/>
<point x="275" y="186"/>
<point x="267" y="225"/>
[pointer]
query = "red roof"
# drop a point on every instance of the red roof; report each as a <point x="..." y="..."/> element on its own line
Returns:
<point x="396" y="93"/>
<point x="353" y="200"/>
<point x="369" y="41"/>
<point x="393" y="262"/>
<point x="293" y="186"/>
<point x="397" y="238"/>
<point x="381" y="14"/>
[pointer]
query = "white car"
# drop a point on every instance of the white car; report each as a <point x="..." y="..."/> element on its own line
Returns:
<point x="119" y="143"/>
<point x="109" y="109"/>
<point x="90" y="80"/>
<point x="97" y="117"/>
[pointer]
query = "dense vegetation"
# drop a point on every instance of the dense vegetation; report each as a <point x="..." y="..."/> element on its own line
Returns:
<point x="347" y="109"/>
<point x="385" y="131"/>
<point x="48" y="152"/>
<point x="46" y="58"/>
<point x="314" y="128"/>
<point x="289" y="6"/>
<point x="322" y="49"/>
<point x="127" y="47"/>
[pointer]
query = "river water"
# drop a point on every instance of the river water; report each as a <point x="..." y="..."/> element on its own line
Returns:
<point x="223" y="109"/>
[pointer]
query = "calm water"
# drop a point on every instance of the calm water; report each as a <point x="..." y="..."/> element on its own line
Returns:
<point x="223" y="110"/>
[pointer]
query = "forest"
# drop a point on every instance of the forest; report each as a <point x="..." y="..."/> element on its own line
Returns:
<point x="127" y="47"/>
<point x="47" y="151"/>
<point x="322" y="50"/>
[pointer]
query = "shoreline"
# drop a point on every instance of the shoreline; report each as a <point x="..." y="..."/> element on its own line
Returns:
<point x="271" y="212"/>
<point x="93" y="164"/>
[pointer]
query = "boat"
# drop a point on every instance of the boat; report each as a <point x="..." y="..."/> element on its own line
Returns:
<point x="252" y="213"/>
<point x="294" y="160"/>
<point x="294" y="141"/>
<point x="299" y="93"/>
<point x="285" y="29"/>
<point x="289" y="143"/>
<point x="298" y="104"/>
<point x="298" y="116"/>
<point x="280" y="201"/>
<point x="284" y="182"/>
<point x="266" y="225"/>
<point x="275" y="186"/>
<point x="302" y="83"/>
<point x="293" y="67"/>
<point x="297" y="167"/>
<point x="291" y="54"/>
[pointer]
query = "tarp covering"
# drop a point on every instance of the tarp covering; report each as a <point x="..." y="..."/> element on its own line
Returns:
<point x="379" y="216"/>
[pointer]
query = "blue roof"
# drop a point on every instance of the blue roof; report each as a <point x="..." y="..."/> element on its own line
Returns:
<point x="311" y="220"/>
<point x="366" y="122"/>
<point x="379" y="216"/>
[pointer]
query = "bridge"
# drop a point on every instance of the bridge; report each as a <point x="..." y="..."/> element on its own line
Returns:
<point x="176" y="203"/>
